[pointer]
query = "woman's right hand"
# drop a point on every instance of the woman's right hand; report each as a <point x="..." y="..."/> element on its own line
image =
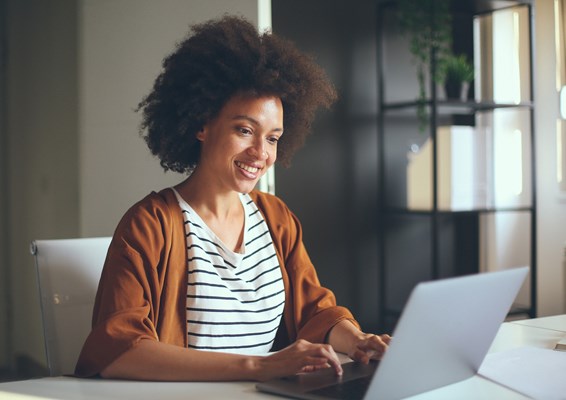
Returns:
<point x="157" y="361"/>
<point x="301" y="356"/>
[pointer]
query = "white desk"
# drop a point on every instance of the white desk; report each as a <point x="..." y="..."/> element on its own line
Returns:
<point x="540" y="332"/>
<point x="557" y="323"/>
<point x="511" y="335"/>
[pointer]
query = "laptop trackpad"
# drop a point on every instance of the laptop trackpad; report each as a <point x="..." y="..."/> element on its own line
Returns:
<point x="325" y="383"/>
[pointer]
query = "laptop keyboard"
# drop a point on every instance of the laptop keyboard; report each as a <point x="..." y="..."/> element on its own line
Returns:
<point x="349" y="390"/>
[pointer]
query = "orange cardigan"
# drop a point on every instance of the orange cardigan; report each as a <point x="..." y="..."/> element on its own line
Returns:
<point x="143" y="287"/>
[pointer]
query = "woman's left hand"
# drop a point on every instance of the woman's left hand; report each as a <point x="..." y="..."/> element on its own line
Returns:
<point x="346" y="338"/>
<point x="369" y="347"/>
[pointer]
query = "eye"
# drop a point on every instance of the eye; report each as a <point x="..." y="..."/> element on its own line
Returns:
<point x="273" y="139"/>
<point x="244" y="131"/>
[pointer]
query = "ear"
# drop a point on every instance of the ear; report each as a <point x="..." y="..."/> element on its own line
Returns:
<point x="201" y="134"/>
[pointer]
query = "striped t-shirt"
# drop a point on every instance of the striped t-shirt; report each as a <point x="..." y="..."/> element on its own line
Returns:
<point x="234" y="300"/>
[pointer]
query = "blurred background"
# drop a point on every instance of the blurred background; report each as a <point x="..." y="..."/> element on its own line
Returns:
<point x="72" y="162"/>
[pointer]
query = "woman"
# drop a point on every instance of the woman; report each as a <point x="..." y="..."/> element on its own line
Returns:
<point x="203" y="279"/>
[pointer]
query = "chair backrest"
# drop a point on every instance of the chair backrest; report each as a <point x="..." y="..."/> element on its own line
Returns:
<point x="68" y="272"/>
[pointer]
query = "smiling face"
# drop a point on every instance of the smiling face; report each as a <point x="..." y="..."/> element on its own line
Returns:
<point x="240" y="143"/>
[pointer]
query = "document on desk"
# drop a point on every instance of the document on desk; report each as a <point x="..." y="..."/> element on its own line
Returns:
<point x="536" y="372"/>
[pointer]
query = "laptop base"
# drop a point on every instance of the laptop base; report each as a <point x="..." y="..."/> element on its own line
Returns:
<point x="325" y="384"/>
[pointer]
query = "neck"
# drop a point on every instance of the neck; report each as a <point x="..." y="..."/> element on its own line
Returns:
<point x="206" y="199"/>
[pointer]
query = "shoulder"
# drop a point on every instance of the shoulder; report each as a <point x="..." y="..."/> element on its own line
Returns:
<point x="157" y="208"/>
<point x="270" y="205"/>
<point x="156" y="201"/>
<point x="281" y="220"/>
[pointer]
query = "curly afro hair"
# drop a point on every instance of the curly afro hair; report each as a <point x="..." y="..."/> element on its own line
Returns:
<point x="222" y="58"/>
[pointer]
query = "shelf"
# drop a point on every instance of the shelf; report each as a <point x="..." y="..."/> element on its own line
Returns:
<point x="455" y="106"/>
<point x="519" y="310"/>
<point x="489" y="145"/>
<point x="479" y="6"/>
<point x="516" y="312"/>
<point x="406" y="211"/>
<point x="489" y="6"/>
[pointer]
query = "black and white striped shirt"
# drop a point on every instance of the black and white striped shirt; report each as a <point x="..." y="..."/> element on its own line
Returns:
<point x="234" y="300"/>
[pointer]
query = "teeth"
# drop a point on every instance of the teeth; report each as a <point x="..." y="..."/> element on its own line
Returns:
<point x="248" y="168"/>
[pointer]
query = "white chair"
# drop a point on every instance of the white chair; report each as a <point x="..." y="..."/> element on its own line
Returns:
<point x="68" y="271"/>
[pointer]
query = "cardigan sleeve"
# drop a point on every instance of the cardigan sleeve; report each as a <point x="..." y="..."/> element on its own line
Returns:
<point x="131" y="289"/>
<point x="310" y="309"/>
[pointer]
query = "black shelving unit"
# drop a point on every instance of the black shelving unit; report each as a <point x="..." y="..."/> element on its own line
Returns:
<point x="434" y="241"/>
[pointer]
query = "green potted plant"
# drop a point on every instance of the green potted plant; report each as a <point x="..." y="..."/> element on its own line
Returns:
<point x="456" y="74"/>
<point x="428" y="26"/>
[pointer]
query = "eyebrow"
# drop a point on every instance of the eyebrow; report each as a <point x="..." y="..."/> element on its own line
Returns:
<point x="253" y="121"/>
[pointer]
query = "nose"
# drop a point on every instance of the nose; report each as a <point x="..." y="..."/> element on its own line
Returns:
<point x="259" y="150"/>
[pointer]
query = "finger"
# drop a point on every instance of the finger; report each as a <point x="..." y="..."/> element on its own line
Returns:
<point x="365" y="355"/>
<point x="316" y="354"/>
<point x="375" y="342"/>
<point x="332" y="358"/>
<point x="386" y="338"/>
<point x="315" y="361"/>
<point x="312" y="368"/>
<point x="372" y="348"/>
<point x="360" y="356"/>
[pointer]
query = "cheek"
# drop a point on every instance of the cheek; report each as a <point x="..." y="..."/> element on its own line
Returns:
<point x="272" y="157"/>
<point x="235" y="147"/>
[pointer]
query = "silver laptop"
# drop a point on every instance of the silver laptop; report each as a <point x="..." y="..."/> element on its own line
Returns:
<point x="442" y="337"/>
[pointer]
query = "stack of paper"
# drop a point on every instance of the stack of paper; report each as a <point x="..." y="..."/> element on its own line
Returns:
<point x="535" y="372"/>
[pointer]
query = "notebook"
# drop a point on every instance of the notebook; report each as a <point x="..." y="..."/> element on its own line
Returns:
<point x="442" y="337"/>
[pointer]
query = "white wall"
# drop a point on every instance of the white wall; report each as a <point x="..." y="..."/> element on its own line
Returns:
<point x="551" y="224"/>
<point x="4" y="276"/>
<point x="75" y="72"/>
<point x="41" y="139"/>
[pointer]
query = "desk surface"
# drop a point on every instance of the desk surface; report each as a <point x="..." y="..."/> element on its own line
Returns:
<point x="541" y="332"/>
<point x="557" y="323"/>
